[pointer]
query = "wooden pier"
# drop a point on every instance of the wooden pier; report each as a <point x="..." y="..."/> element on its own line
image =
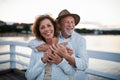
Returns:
<point x="14" y="73"/>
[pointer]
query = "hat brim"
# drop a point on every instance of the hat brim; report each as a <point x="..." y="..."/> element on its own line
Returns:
<point x="75" y="16"/>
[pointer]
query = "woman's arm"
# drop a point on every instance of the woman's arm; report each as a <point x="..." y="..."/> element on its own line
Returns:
<point x="35" y="67"/>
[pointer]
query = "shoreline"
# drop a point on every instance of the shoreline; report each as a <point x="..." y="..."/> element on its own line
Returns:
<point x="30" y="35"/>
<point x="15" y="35"/>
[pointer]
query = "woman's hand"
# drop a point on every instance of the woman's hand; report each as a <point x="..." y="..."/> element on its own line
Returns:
<point x="51" y="57"/>
<point x="54" y="58"/>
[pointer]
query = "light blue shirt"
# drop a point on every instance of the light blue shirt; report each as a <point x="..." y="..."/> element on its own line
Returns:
<point x="80" y="54"/>
<point x="78" y="44"/>
<point x="36" y="68"/>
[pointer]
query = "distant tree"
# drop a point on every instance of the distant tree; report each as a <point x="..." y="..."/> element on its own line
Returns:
<point x="84" y="30"/>
<point x="26" y="28"/>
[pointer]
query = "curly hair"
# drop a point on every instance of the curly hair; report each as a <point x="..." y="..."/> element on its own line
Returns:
<point x="36" y="24"/>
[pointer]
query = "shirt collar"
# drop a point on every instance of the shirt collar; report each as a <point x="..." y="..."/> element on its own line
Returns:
<point x="67" y="38"/>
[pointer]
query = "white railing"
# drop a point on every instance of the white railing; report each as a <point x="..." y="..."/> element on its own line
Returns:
<point x="13" y="53"/>
<point x="115" y="57"/>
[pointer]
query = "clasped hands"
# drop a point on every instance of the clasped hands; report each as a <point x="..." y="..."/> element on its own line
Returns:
<point x="54" y="53"/>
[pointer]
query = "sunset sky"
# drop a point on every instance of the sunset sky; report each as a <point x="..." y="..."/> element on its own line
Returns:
<point x="104" y="12"/>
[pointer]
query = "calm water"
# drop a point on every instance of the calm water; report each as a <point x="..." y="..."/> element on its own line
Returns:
<point x="108" y="43"/>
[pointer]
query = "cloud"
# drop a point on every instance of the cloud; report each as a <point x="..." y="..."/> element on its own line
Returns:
<point x="101" y="11"/>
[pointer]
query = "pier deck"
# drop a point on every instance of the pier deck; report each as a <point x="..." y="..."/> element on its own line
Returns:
<point x="12" y="74"/>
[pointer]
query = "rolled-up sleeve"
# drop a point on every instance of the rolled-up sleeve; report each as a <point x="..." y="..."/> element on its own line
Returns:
<point x="66" y="67"/>
<point x="34" y="43"/>
<point x="81" y="56"/>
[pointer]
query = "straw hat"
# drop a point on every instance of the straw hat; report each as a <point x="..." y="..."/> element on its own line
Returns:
<point x="65" y="13"/>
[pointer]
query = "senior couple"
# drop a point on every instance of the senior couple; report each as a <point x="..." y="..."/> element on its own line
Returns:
<point x="57" y="51"/>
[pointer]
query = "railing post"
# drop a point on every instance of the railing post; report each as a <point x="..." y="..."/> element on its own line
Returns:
<point x="12" y="56"/>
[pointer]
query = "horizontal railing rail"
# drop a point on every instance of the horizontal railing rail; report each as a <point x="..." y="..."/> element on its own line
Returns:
<point x="115" y="57"/>
<point x="104" y="55"/>
<point x="13" y="53"/>
<point x="108" y="56"/>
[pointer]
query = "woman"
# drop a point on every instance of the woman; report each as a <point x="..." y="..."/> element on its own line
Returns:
<point x="45" y="31"/>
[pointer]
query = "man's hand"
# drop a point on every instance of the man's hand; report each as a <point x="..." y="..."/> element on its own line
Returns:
<point x="45" y="57"/>
<point x="42" y="47"/>
<point x="69" y="50"/>
<point x="59" y="49"/>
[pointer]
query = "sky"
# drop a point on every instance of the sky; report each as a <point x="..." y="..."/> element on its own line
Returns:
<point x="103" y="12"/>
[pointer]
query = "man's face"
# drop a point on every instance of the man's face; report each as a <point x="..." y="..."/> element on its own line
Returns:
<point x="68" y="25"/>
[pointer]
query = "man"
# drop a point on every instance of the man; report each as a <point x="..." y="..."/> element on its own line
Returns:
<point x="67" y="23"/>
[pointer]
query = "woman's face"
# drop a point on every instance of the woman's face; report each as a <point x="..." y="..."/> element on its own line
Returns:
<point x="46" y="29"/>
